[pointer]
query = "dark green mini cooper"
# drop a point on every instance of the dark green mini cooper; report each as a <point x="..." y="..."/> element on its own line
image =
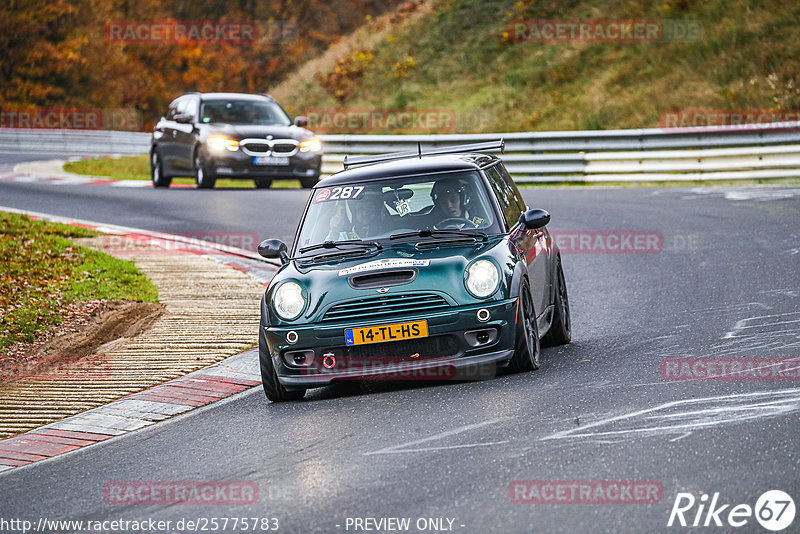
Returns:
<point x="425" y="265"/>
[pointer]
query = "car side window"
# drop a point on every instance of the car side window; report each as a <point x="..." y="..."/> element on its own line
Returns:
<point x="505" y="196"/>
<point x="513" y="187"/>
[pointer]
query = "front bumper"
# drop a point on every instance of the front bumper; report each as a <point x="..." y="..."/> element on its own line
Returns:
<point x="457" y="347"/>
<point x="240" y="165"/>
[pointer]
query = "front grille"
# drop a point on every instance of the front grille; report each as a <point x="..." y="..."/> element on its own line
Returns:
<point x="257" y="148"/>
<point x="385" y="306"/>
<point x="282" y="149"/>
<point x="269" y="147"/>
<point x="430" y="347"/>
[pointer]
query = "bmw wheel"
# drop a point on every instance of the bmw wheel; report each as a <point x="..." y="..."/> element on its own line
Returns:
<point x="203" y="177"/>
<point x="157" y="171"/>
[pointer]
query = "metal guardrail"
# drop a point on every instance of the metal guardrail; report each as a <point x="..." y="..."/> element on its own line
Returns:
<point x="73" y="142"/>
<point x="745" y="152"/>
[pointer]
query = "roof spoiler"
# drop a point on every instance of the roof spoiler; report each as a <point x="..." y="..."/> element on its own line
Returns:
<point x="456" y="149"/>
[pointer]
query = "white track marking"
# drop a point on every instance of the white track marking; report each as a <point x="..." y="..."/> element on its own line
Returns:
<point x="739" y="194"/>
<point x="696" y="414"/>
<point x="761" y="321"/>
<point x="404" y="447"/>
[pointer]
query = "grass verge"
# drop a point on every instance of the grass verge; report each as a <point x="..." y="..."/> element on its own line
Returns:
<point x="138" y="168"/>
<point x="43" y="272"/>
<point x="460" y="56"/>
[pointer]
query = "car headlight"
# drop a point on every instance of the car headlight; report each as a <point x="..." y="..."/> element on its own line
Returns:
<point x="220" y="143"/>
<point x="310" y="145"/>
<point x="288" y="301"/>
<point x="482" y="278"/>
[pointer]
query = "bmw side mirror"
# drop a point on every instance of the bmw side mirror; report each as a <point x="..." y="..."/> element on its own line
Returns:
<point x="534" y="219"/>
<point x="301" y="121"/>
<point x="274" y="248"/>
<point x="183" y="119"/>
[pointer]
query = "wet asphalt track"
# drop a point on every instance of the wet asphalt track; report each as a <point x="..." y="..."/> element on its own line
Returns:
<point x="726" y="283"/>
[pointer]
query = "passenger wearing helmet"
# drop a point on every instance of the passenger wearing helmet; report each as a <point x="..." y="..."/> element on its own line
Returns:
<point x="367" y="220"/>
<point x="451" y="201"/>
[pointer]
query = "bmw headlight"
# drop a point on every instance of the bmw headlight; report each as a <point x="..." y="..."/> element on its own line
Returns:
<point x="482" y="278"/>
<point x="288" y="301"/>
<point x="220" y="143"/>
<point x="310" y="145"/>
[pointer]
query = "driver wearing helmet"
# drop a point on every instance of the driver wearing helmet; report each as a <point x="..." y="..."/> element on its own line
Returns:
<point x="451" y="201"/>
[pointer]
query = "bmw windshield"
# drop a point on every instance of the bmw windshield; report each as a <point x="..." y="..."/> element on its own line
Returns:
<point x="243" y="112"/>
<point x="379" y="210"/>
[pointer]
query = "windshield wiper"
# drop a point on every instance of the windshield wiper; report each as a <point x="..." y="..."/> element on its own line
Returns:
<point x="441" y="234"/>
<point x="337" y="244"/>
<point x="336" y="255"/>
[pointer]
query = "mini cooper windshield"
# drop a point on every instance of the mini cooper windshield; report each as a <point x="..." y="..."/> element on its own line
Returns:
<point x="419" y="206"/>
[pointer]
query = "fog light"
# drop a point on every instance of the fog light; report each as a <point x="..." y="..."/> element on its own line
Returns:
<point x="328" y="360"/>
<point x="299" y="358"/>
<point x="291" y="337"/>
<point x="483" y="315"/>
<point x="479" y="338"/>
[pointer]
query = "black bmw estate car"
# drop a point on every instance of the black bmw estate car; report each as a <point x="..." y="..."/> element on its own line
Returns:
<point x="232" y="135"/>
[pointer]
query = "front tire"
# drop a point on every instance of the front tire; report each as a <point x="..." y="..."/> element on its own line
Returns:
<point x="203" y="177"/>
<point x="526" y="345"/>
<point x="273" y="389"/>
<point x="157" y="171"/>
<point x="560" y="332"/>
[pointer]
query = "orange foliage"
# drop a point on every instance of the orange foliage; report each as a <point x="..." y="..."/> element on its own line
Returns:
<point x="58" y="53"/>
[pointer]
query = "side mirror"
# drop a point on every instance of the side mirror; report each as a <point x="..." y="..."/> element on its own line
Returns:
<point x="183" y="119"/>
<point x="301" y="121"/>
<point x="274" y="248"/>
<point x="534" y="219"/>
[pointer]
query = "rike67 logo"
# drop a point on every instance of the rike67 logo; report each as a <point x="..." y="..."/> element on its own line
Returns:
<point x="774" y="510"/>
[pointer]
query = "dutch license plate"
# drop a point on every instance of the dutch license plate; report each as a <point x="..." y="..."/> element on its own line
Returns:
<point x="387" y="332"/>
<point x="270" y="160"/>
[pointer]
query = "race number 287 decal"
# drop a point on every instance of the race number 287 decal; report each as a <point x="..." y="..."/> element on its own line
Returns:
<point x="349" y="192"/>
